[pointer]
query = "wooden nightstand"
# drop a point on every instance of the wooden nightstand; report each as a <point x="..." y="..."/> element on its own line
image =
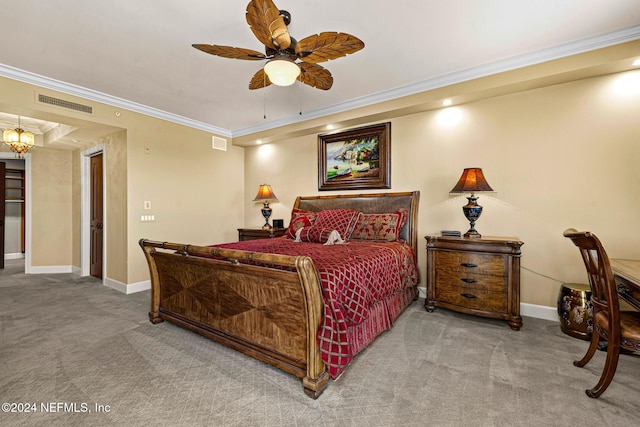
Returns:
<point x="475" y="276"/>
<point x="259" y="233"/>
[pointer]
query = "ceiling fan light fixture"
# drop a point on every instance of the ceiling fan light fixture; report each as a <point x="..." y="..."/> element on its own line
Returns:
<point x="288" y="59"/>
<point x="282" y="72"/>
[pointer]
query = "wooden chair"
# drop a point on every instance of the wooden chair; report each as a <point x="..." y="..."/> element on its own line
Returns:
<point x="618" y="328"/>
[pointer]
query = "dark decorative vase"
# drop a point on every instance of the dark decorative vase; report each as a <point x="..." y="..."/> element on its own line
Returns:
<point x="576" y="310"/>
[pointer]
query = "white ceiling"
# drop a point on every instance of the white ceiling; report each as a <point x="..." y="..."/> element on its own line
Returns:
<point x="138" y="55"/>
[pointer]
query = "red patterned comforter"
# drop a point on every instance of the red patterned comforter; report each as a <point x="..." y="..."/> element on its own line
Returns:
<point x="354" y="277"/>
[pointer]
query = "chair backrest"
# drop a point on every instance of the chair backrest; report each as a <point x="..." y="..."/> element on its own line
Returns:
<point x="604" y="296"/>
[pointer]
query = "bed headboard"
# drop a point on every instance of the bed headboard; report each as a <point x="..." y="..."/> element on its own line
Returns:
<point x="371" y="203"/>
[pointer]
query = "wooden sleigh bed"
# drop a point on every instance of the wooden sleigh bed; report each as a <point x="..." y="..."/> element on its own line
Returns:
<point x="271" y="306"/>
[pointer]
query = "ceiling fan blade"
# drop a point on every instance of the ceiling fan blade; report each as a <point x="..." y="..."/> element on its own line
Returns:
<point x="230" y="52"/>
<point x="267" y="25"/>
<point x="326" y="46"/>
<point x="259" y="80"/>
<point x="315" y="75"/>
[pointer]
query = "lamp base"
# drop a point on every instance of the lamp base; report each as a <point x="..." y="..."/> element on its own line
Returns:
<point x="472" y="211"/>
<point x="266" y="213"/>
<point x="472" y="234"/>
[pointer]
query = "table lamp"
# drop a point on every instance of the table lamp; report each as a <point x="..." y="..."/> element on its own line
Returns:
<point x="266" y="196"/>
<point x="472" y="181"/>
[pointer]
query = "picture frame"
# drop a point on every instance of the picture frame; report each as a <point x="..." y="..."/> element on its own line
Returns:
<point x="355" y="159"/>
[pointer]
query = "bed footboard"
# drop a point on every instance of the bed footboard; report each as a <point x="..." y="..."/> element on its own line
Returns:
<point x="266" y="306"/>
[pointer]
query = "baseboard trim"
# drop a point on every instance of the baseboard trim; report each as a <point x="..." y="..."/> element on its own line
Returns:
<point x="50" y="269"/>
<point x="539" y="311"/>
<point x="127" y="289"/>
<point x="18" y="255"/>
<point x="422" y="292"/>
<point x="133" y="288"/>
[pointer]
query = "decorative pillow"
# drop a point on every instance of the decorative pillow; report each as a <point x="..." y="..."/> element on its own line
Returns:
<point x="314" y="235"/>
<point x="380" y="227"/>
<point x="300" y="218"/>
<point x="341" y="220"/>
<point x="319" y="236"/>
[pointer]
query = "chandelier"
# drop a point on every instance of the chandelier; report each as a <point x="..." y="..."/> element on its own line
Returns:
<point x="19" y="140"/>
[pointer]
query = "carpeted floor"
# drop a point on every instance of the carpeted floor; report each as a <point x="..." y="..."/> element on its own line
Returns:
<point x="66" y="340"/>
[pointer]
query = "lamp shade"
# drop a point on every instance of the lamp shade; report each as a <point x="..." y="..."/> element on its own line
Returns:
<point x="265" y="194"/>
<point x="282" y="72"/>
<point x="471" y="181"/>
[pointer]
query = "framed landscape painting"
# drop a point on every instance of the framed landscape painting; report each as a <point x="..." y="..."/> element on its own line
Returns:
<point x="355" y="159"/>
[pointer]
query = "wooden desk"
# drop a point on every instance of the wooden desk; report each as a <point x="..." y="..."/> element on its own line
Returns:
<point x="626" y="274"/>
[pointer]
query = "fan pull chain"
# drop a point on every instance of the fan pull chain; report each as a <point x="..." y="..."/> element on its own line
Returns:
<point x="264" y="96"/>
<point x="300" y="94"/>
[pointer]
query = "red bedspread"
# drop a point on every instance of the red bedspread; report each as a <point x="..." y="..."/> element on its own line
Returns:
<point x="354" y="277"/>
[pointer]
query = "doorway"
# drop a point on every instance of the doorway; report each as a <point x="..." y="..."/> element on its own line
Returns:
<point x="93" y="227"/>
<point x="17" y="210"/>
<point x="2" y="202"/>
<point x="97" y="221"/>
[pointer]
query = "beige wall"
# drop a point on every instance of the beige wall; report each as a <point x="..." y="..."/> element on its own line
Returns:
<point x="51" y="207"/>
<point x="115" y="162"/>
<point x="76" y="209"/>
<point x="197" y="193"/>
<point x="557" y="157"/>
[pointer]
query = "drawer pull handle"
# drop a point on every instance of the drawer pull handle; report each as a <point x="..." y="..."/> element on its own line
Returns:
<point x="469" y="296"/>
<point x="466" y="264"/>
<point x="469" y="280"/>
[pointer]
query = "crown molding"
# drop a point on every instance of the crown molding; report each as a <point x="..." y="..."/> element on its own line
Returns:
<point x="71" y="89"/>
<point x="519" y="61"/>
<point x="508" y="64"/>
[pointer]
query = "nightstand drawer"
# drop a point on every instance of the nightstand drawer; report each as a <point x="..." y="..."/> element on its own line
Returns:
<point x="448" y="278"/>
<point x="471" y="261"/>
<point x="474" y="299"/>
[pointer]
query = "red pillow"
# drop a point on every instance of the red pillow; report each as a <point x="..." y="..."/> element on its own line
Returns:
<point x="384" y="227"/>
<point x="341" y="220"/>
<point x="300" y="218"/>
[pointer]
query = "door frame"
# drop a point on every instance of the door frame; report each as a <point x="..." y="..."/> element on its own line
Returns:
<point x="85" y="215"/>
<point x="27" y="212"/>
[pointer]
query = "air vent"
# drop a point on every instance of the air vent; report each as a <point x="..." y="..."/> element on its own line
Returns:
<point x="56" y="102"/>
<point x="219" y="143"/>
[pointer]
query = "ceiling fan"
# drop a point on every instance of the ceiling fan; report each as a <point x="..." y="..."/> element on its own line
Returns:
<point x="269" y="25"/>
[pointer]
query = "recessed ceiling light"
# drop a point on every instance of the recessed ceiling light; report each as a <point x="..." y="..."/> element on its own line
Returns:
<point x="329" y="127"/>
<point x="259" y="142"/>
<point x="446" y="102"/>
<point x="636" y="63"/>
